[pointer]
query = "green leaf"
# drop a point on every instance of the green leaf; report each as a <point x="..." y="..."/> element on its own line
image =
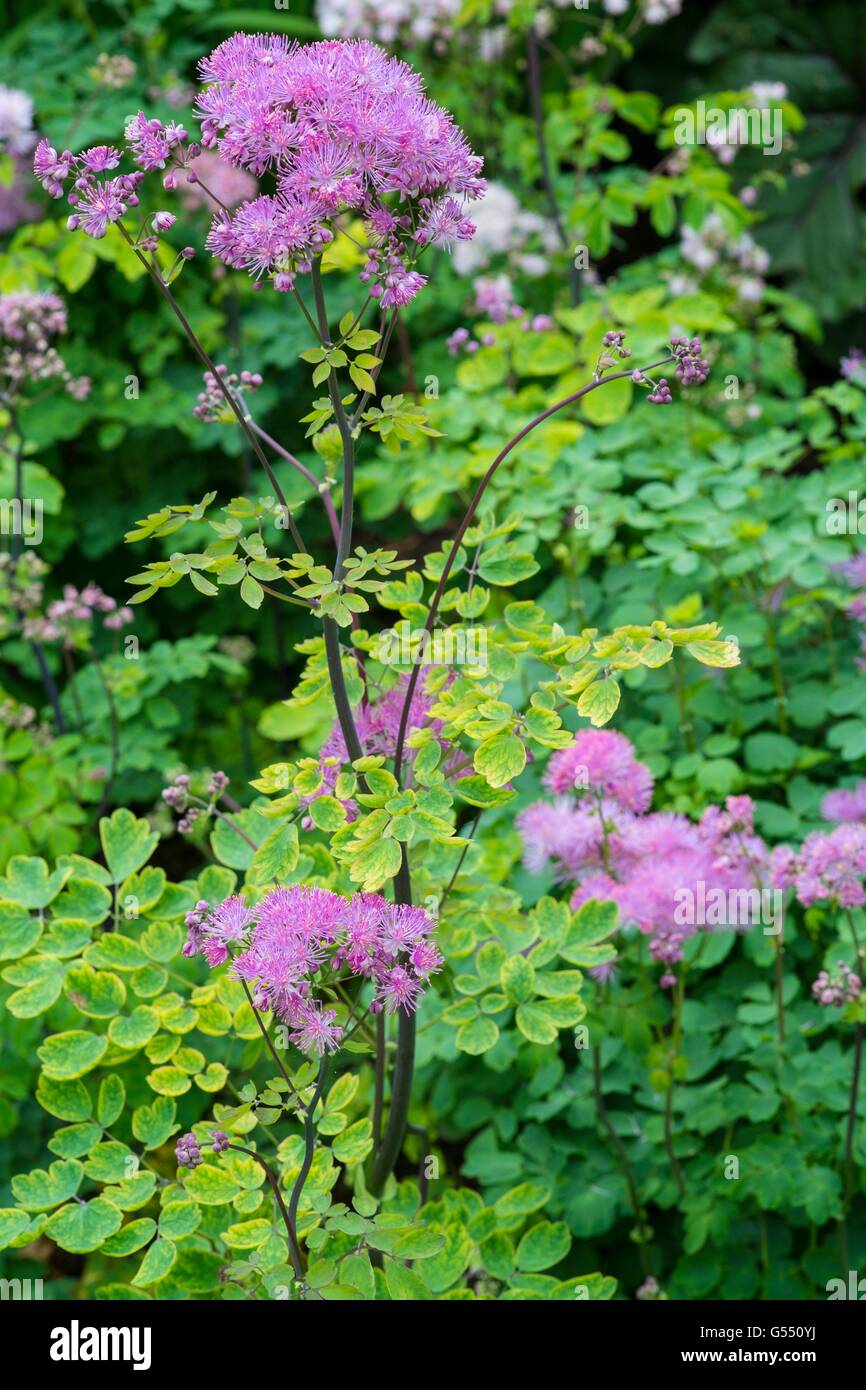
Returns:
<point x="476" y="1036"/>
<point x="67" y="1100"/>
<point x="419" y="1243"/>
<point x="608" y="402"/>
<point x="65" y="1056"/>
<point x="153" y="1124"/>
<point x="132" y="1031"/>
<point x="497" y="1254"/>
<point x="354" y="1144"/>
<point x="599" y="702"/>
<point x="517" y="977"/>
<point x="478" y="792"/>
<point x="169" y="1081"/>
<point x="500" y="759"/>
<point x="19" y="932"/>
<point x="357" y="1271"/>
<point x="248" y="1235"/>
<point x="41" y="980"/>
<point x="403" y="1284"/>
<point x="156" y="1264"/>
<point x="96" y="993"/>
<point x="513" y="1207"/>
<point x="210" y="1185"/>
<point x="230" y="847"/>
<point x="252" y="592"/>
<point x="212" y="1078"/>
<point x="127" y="843"/>
<point x="41" y="1190"/>
<point x="111" y="1162"/>
<point x="114" y="951"/>
<point x="29" y="883"/>
<point x="130" y="1238"/>
<point x="277" y="855"/>
<point x="715" y="653"/>
<point x="327" y="813"/>
<point x="83" y="1226"/>
<point x="445" y="1268"/>
<point x="110" y="1100"/>
<point x="544" y="1245"/>
<point x="504" y="566"/>
<point x="12" y="1223"/>
<point x="180" y="1219"/>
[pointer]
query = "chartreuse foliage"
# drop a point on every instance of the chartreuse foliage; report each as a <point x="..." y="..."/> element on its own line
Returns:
<point x="136" y="1046"/>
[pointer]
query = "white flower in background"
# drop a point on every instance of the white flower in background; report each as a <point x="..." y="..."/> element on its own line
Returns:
<point x="654" y="11"/>
<point x="423" y="21"/>
<point x="386" y="20"/>
<point x="766" y="92"/>
<point x="740" y="259"/>
<point x="660" y="11"/>
<point x="503" y="228"/>
<point x="750" y="289"/>
<point x="16" y="121"/>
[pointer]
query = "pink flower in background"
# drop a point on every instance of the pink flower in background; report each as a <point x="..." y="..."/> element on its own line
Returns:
<point x="658" y="867"/>
<point x="845" y="804"/>
<point x="837" y="990"/>
<point x="217" y="182"/>
<point x="29" y="321"/>
<point x="601" y="761"/>
<point x="852" y="364"/>
<point x="828" y="867"/>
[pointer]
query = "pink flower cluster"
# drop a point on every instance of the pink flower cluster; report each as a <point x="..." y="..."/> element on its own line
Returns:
<point x="853" y="571"/>
<point x="494" y="298"/>
<point x="293" y="935"/>
<point x="68" y="619"/>
<point x="29" y="321"/>
<point x="211" y="405"/>
<point x="189" y="807"/>
<point x="828" y="867"/>
<point x="342" y="127"/>
<point x="603" y="762"/>
<point x="845" y="805"/>
<point x="613" y="849"/>
<point x="377" y="725"/>
<point x="836" y="990"/>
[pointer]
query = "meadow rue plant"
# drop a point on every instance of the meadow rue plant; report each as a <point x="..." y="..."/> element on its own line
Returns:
<point x="309" y="1028"/>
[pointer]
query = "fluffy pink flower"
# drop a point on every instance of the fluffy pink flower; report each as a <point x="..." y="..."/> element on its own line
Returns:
<point x="845" y="804"/>
<point x="602" y="761"/>
<point x="829" y="867"/>
<point x="342" y="126"/>
<point x="295" y="936"/>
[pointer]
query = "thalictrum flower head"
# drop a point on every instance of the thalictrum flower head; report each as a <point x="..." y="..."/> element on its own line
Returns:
<point x="297" y="938"/>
